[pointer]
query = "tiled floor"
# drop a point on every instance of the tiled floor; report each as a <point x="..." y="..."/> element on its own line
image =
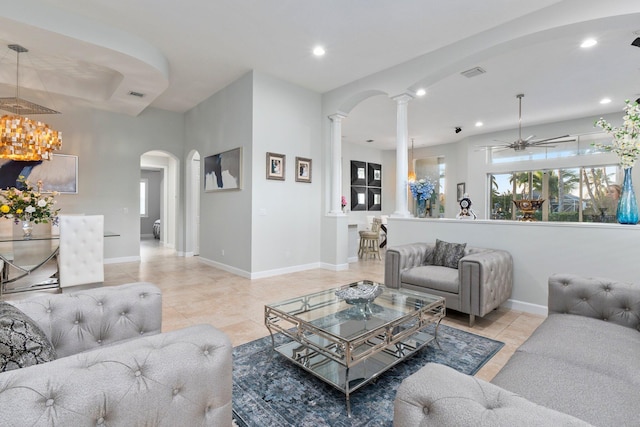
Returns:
<point x="197" y="293"/>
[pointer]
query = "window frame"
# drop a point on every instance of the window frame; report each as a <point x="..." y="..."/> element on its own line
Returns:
<point x="144" y="182"/>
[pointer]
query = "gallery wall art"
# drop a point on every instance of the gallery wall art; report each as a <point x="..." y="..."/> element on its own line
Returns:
<point x="276" y="166"/>
<point x="223" y="171"/>
<point x="59" y="174"/>
<point x="366" y="186"/>
<point x="303" y="169"/>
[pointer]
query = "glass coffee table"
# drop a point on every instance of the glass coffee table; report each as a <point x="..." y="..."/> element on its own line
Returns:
<point x="349" y="344"/>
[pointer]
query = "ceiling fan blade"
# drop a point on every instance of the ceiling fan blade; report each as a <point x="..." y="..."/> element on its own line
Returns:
<point x="529" y="138"/>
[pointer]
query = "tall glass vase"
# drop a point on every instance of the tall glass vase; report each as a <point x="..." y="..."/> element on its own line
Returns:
<point x="627" y="206"/>
<point x="421" y="208"/>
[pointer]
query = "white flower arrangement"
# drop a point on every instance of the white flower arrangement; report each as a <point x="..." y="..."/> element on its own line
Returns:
<point x="626" y="142"/>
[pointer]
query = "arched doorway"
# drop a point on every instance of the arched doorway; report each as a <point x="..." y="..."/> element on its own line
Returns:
<point x="167" y="165"/>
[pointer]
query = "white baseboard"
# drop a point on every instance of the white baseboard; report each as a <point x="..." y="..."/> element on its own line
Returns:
<point x="353" y="259"/>
<point x="527" y="307"/>
<point x="286" y="270"/>
<point x="121" y="260"/>
<point x="226" y="267"/>
<point x="334" y="267"/>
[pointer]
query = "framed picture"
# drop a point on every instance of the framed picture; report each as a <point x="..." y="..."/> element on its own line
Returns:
<point x="460" y="190"/>
<point x="58" y="174"/>
<point x="374" y="199"/>
<point x="374" y="175"/>
<point x="358" y="173"/>
<point x="358" y="198"/>
<point x="303" y="169"/>
<point x="223" y="171"/>
<point x="275" y="166"/>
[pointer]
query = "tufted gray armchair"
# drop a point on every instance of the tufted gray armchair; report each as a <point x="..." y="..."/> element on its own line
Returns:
<point x="482" y="281"/>
<point x="115" y="368"/>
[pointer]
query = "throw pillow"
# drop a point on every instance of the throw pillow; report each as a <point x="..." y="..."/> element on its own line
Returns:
<point x="448" y="254"/>
<point x="22" y="342"/>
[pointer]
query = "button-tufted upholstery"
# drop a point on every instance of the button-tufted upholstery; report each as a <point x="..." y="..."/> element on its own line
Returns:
<point x="81" y="253"/>
<point x="483" y="280"/>
<point x="115" y="368"/>
<point x="582" y="361"/>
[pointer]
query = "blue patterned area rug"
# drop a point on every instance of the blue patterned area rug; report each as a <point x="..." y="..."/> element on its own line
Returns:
<point x="269" y="390"/>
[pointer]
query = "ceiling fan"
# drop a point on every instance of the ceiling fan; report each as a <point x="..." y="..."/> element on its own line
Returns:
<point x="522" y="144"/>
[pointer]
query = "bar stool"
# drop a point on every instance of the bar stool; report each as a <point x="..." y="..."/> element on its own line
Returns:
<point x="370" y="240"/>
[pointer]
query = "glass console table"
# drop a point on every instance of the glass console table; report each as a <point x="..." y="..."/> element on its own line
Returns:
<point x="30" y="264"/>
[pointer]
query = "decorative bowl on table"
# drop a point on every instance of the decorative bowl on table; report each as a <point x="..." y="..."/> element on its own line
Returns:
<point x="359" y="293"/>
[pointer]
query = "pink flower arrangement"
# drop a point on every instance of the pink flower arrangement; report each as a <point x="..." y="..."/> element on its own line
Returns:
<point x="343" y="201"/>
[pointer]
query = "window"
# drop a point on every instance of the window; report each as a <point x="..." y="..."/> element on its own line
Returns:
<point x="584" y="194"/>
<point x="144" y="197"/>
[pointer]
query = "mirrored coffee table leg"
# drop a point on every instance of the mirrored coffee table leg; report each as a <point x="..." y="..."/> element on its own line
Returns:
<point x="347" y="390"/>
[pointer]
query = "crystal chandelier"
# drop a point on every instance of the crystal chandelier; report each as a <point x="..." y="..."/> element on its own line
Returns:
<point x="20" y="137"/>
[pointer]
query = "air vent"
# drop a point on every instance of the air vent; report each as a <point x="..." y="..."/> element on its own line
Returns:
<point x="138" y="94"/>
<point x="476" y="71"/>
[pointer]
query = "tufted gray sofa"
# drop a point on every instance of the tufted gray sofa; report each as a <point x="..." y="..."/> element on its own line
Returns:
<point x="115" y="368"/>
<point x="579" y="368"/>
<point x="483" y="280"/>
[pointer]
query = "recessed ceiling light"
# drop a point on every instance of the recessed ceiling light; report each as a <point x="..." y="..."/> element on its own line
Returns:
<point x="478" y="124"/>
<point x="589" y="43"/>
<point x="421" y="92"/>
<point x="605" y="100"/>
<point x="318" y="51"/>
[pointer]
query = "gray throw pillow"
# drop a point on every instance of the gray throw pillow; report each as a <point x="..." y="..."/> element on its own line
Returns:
<point x="22" y="342"/>
<point x="448" y="254"/>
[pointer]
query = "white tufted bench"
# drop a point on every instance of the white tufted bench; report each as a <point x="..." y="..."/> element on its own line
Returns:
<point x="115" y="368"/>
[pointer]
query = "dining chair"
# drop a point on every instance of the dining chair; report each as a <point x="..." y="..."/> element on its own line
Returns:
<point x="81" y="252"/>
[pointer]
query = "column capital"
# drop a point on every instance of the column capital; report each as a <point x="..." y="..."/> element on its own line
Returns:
<point x="402" y="98"/>
<point x="338" y="116"/>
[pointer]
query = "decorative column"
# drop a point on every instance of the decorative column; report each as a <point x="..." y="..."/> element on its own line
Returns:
<point x="336" y="163"/>
<point x="402" y="152"/>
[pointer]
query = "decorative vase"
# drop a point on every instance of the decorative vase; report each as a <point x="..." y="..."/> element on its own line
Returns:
<point x="27" y="229"/>
<point x="627" y="206"/>
<point x="421" y="208"/>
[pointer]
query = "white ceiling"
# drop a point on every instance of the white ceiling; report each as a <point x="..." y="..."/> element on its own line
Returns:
<point x="180" y="53"/>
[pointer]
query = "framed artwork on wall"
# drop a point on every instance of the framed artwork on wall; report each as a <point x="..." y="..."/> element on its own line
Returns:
<point x="223" y="171"/>
<point x="303" y="169"/>
<point x="58" y="174"/>
<point x="358" y="198"/>
<point x="358" y="173"/>
<point x="275" y="166"/>
<point x="374" y="175"/>
<point x="374" y="199"/>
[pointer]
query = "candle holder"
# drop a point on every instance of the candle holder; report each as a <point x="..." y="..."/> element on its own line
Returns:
<point x="528" y="208"/>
